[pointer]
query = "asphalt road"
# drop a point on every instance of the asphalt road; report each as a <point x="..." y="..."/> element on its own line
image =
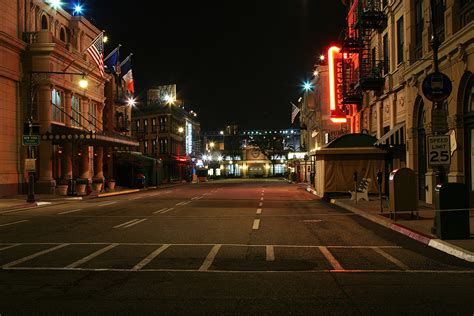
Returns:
<point x="221" y="248"/>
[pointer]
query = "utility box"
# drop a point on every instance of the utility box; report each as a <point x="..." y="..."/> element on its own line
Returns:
<point x="403" y="190"/>
<point x="452" y="211"/>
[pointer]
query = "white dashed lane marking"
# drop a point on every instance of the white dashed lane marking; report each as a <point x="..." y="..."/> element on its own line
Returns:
<point x="72" y="211"/>
<point x="259" y="211"/>
<point x="256" y="224"/>
<point x="13" y="223"/>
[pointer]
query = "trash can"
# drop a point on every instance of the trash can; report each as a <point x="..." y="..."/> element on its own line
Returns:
<point x="452" y="211"/>
<point x="403" y="191"/>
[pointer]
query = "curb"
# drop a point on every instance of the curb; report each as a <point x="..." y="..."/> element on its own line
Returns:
<point x="420" y="237"/>
<point x="101" y="195"/>
<point x="23" y="206"/>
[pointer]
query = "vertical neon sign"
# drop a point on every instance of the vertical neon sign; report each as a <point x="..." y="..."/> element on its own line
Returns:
<point x="334" y="87"/>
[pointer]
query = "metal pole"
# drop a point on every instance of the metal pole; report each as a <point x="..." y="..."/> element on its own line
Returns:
<point x="31" y="175"/>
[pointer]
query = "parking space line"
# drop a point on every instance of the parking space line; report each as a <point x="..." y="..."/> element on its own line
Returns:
<point x="91" y="256"/>
<point x="13" y="223"/>
<point x="27" y="258"/>
<point x="329" y="257"/>
<point x="150" y="257"/>
<point x="256" y="224"/>
<point x="259" y="211"/>
<point x="270" y="253"/>
<point x="8" y="247"/>
<point x="72" y="211"/>
<point x="126" y="223"/>
<point x="135" y="223"/>
<point x="210" y="258"/>
<point x="390" y="258"/>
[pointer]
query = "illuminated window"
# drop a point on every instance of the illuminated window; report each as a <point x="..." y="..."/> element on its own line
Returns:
<point x="76" y="111"/>
<point x="92" y="116"/>
<point x="145" y="125"/>
<point x="137" y="125"/>
<point x="57" y="106"/>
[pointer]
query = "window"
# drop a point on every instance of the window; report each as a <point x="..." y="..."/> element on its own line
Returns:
<point x="44" y="22"/>
<point x="153" y="146"/>
<point x="400" y="40"/>
<point x="145" y="147"/>
<point x="153" y="124"/>
<point x="57" y="110"/>
<point x="386" y="61"/>
<point x="466" y="12"/>
<point x="62" y="35"/>
<point x="163" y="145"/>
<point x="418" y="29"/>
<point x="163" y="120"/>
<point x="76" y="111"/>
<point x="137" y="125"/>
<point x="145" y="125"/>
<point x="92" y="116"/>
<point x="439" y="6"/>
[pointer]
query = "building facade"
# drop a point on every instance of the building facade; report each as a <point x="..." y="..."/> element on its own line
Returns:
<point x="387" y="53"/>
<point x="44" y="52"/>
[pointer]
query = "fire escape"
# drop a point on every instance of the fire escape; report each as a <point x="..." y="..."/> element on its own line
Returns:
<point x="361" y="70"/>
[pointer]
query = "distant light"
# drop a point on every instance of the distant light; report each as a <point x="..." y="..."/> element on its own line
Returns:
<point x="321" y="58"/>
<point x="219" y="158"/>
<point x="315" y="73"/>
<point x="180" y="130"/>
<point x="212" y="144"/>
<point x="78" y="9"/>
<point x="307" y="86"/>
<point x="56" y="4"/>
<point x="105" y="39"/>
<point x="221" y="132"/>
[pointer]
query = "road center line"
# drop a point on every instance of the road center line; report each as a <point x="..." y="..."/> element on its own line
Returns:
<point x="391" y="259"/>
<point x="24" y="259"/>
<point x="166" y="211"/>
<point x="210" y="258"/>
<point x="270" y="253"/>
<point x="256" y="224"/>
<point x="260" y="204"/>
<point x="150" y="257"/>
<point x="329" y="257"/>
<point x="160" y="210"/>
<point x="13" y="223"/>
<point x="126" y="223"/>
<point x="135" y="223"/>
<point x="67" y="212"/>
<point x="259" y="211"/>
<point x="8" y="247"/>
<point x="261" y="199"/>
<point x="107" y="203"/>
<point x="91" y="256"/>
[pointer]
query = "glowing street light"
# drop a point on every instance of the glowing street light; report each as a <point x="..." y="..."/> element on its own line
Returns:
<point x="180" y="130"/>
<point x="56" y="4"/>
<point x="78" y="9"/>
<point x="105" y="39"/>
<point x="321" y="58"/>
<point x="131" y="102"/>
<point x="212" y="144"/>
<point x="307" y="86"/>
<point x="83" y="83"/>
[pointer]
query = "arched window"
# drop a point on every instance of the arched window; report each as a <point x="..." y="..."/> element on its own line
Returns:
<point x="62" y="35"/>
<point x="44" y="22"/>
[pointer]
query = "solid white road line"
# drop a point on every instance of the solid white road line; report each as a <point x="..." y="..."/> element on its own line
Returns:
<point x="270" y="253"/>
<point x="136" y="198"/>
<point x="135" y="223"/>
<point x="161" y="210"/>
<point x="150" y="257"/>
<point x="91" y="256"/>
<point x="24" y="259"/>
<point x="67" y="212"/>
<point x="180" y="203"/>
<point x="210" y="258"/>
<point x="259" y="211"/>
<point x="107" y="203"/>
<point x="166" y="211"/>
<point x="329" y="257"/>
<point x="13" y="223"/>
<point x="391" y="259"/>
<point x="126" y="223"/>
<point x="256" y="224"/>
<point x="8" y="247"/>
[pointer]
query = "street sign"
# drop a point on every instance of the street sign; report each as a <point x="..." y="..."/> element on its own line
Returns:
<point x="439" y="150"/>
<point x="437" y="87"/>
<point x="30" y="140"/>
<point x="30" y="165"/>
<point x="439" y="121"/>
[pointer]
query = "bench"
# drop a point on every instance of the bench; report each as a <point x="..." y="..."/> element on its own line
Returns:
<point x="362" y="190"/>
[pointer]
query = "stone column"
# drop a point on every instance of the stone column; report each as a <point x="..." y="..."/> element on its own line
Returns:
<point x="45" y="183"/>
<point x="98" y="162"/>
<point x="68" y="107"/>
<point x="84" y="162"/>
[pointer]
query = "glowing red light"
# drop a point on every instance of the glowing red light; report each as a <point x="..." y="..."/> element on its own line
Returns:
<point x="332" y="80"/>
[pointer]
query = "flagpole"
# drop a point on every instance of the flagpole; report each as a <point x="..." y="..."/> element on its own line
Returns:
<point x="110" y="54"/>
<point x="82" y="53"/>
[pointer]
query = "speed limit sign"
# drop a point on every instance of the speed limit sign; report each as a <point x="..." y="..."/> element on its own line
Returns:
<point x="439" y="150"/>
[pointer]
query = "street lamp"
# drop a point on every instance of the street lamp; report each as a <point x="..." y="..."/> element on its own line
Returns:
<point x="180" y="130"/>
<point x="83" y="83"/>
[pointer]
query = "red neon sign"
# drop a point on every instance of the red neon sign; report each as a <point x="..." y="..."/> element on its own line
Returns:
<point x="335" y="84"/>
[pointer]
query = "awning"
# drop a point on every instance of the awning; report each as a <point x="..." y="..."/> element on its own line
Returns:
<point x="395" y="136"/>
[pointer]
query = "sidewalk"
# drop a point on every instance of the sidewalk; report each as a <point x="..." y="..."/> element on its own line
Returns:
<point x="16" y="202"/>
<point x="413" y="227"/>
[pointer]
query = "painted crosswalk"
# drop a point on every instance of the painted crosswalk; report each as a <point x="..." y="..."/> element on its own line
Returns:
<point x="210" y="258"/>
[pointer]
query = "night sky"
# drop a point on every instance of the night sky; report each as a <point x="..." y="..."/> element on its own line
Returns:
<point x="234" y="61"/>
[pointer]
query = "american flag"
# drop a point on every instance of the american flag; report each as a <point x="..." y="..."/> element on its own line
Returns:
<point x="96" y="50"/>
<point x="294" y="112"/>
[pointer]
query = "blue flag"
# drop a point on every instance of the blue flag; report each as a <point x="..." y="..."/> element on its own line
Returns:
<point x="112" y="61"/>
